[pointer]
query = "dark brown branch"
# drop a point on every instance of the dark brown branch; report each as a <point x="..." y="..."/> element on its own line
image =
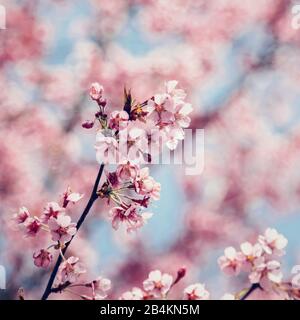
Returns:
<point x="84" y="214"/>
<point x="250" y="290"/>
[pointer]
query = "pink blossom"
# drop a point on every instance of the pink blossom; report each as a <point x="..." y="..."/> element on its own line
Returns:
<point x="96" y="91"/>
<point x="250" y="253"/>
<point x="173" y="135"/>
<point x="113" y="179"/>
<point x="22" y="215"/>
<point x="70" y="270"/>
<point x="130" y="216"/>
<point x="196" y="291"/>
<point x="127" y="171"/>
<point x="52" y="209"/>
<point x="169" y="108"/>
<point x="170" y="87"/>
<point x="134" y="294"/>
<point x="273" y="242"/>
<point x="133" y="143"/>
<point x="160" y="110"/>
<point x="231" y="262"/>
<point x="70" y="196"/>
<point x="106" y="147"/>
<point x="265" y="272"/>
<point x="74" y="197"/>
<point x="118" y="120"/>
<point x="146" y="185"/>
<point x="158" y="284"/>
<point x="33" y="226"/>
<point x="62" y="229"/>
<point x="181" y="112"/>
<point x="154" y="136"/>
<point x="101" y="286"/>
<point x="42" y="258"/>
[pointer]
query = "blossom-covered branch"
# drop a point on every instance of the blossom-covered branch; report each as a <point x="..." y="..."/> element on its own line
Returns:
<point x="125" y="138"/>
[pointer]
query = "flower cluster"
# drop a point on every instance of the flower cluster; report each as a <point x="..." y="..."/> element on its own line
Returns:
<point x="158" y="285"/>
<point x="132" y="137"/>
<point x="259" y="260"/>
<point x="131" y="189"/>
<point x="137" y="133"/>
<point x="68" y="279"/>
<point x="99" y="288"/>
<point x="53" y="221"/>
<point x="58" y="224"/>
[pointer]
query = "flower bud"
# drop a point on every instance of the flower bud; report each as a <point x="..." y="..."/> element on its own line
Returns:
<point x="180" y="274"/>
<point x="102" y="102"/>
<point x="88" y="124"/>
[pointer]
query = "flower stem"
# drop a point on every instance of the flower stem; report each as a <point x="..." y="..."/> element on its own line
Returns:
<point x="84" y="214"/>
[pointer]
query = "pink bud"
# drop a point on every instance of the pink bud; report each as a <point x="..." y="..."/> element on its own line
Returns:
<point x="88" y="124"/>
<point x="180" y="274"/>
<point x="102" y="102"/>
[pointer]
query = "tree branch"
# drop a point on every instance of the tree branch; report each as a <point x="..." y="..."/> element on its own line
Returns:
<point x="249" y="291"/>
<point x="84" y="214"/>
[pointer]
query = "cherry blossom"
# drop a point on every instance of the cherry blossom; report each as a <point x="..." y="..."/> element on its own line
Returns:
<point x="62" y="229"/>
<point x="106" y="147"/>
<point x="129" y="216"/>
<point x="70" y="270"/>
<point x="118" y="120"/>
<point x="33" y="227"/>
<point x="196" y="291"/>
<point x="96" y="91"/>
<point x="231" y="262"/>
<point x="158" y="284"/>
<point x="74" y="197"/>
<point x="171" y="113"/>
<point x="133" y="144"/>
<point x="260" y="260"/>
<point x="273" y="242"/>
<point x="70" y="196"/>
<point x="102" y="285"/>
<point x="22" y="215"/>
<point x="146" y="185"/>
<point x="52" y="209"/>
<point x="127" y="171"/>
<point x="42" y="258"/>
<point x="266" y="272"/>
<point x="99" y="286"/>
<point x="134" y="294"/>
<point x="250" y="253"/>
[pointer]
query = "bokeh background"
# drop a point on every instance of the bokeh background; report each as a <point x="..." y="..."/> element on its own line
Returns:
<point x="239" y="62"/>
